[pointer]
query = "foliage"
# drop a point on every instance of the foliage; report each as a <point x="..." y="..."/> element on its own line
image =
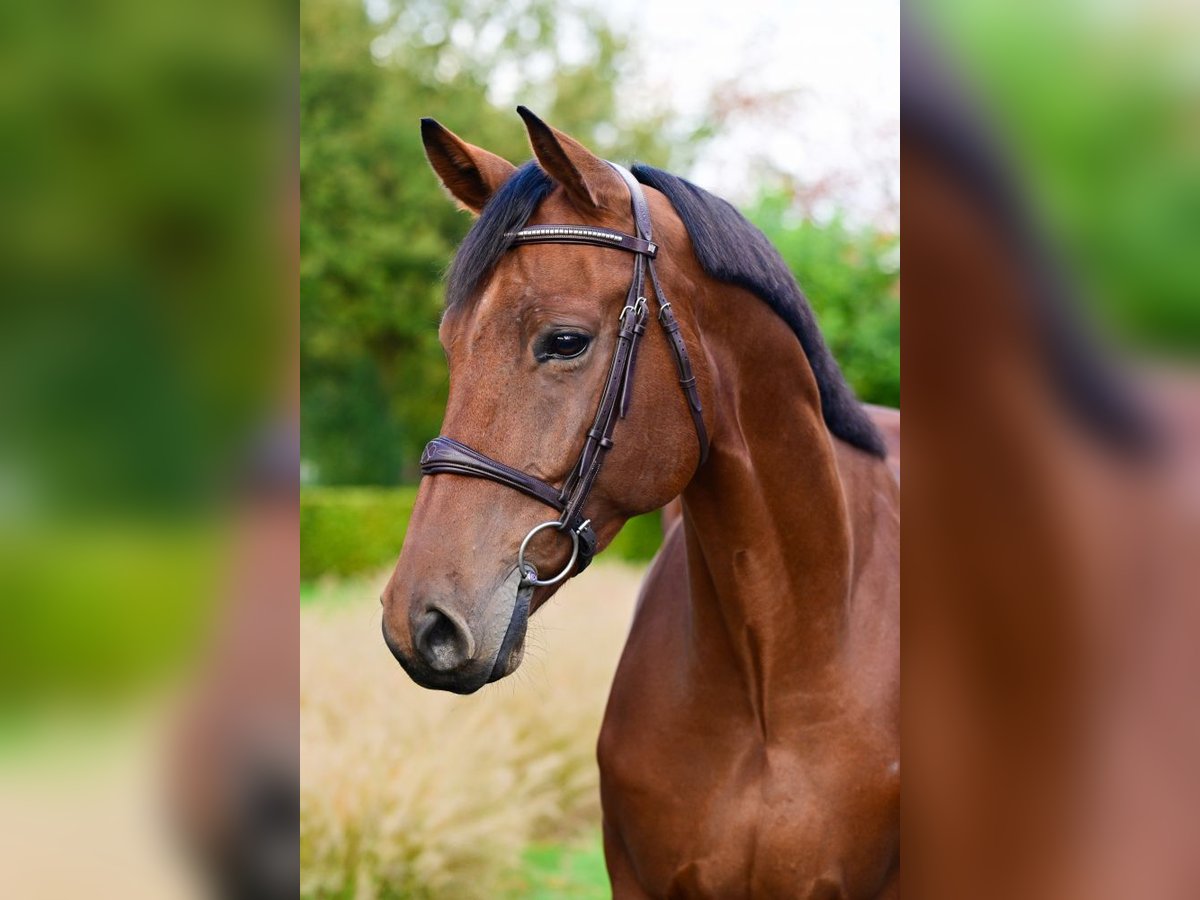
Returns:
<point x="349" y="531"/>
<point x="140" y="249"/>
<point x="852" y="280"/>
<point x="1098" y="113"/>
<point x="638" y="540"/>
<point x="133" y="603"/>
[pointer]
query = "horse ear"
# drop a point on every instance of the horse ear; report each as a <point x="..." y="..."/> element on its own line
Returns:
<point x="589" y="181"/>
<point x="469" y="173"/>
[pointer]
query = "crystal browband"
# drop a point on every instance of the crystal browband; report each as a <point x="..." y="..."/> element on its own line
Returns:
<point x="576" y="234"/>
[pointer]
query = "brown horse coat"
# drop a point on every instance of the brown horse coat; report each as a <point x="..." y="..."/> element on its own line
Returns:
<point x="750" y="747"/>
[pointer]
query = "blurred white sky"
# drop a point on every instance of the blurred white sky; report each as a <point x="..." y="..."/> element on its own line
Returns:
<point x="842" y="57"/>
<point x="834" y="68"/>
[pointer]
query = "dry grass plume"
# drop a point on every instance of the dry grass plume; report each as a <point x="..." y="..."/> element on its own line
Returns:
<point x="419" y="794"/>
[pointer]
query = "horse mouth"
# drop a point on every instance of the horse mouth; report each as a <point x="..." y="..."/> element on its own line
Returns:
<point x="512" y="648"/>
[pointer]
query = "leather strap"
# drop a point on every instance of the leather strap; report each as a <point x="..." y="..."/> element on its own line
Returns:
<point x="583" y="234"/>
<point x="637" y="198"/>
<point x="445" y="455"/>
<point x="687" y="379"/>
<point x="599" y="437"/>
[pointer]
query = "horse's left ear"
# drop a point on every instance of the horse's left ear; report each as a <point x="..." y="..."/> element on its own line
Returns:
<point x="589" y="181"/>
<point x="470" y="174"/>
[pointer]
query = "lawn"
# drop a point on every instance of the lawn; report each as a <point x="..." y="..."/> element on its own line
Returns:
<point x="558" y="872"/>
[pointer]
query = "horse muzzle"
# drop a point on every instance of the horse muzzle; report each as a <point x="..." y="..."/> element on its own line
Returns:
<point x="451" y="648"/>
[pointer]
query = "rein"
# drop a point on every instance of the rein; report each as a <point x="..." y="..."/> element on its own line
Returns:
<point x="445" y="455"/>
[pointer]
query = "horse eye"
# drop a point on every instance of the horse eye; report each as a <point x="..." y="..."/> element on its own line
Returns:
<point x="566" y="345"/>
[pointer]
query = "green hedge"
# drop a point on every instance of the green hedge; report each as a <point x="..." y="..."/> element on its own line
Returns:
<point x="638" y="541"/>
<point x="346" y="531"/>
<point x="133" y="607"/>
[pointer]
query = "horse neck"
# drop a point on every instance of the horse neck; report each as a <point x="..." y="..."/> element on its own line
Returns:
<point x="769" y="518"/>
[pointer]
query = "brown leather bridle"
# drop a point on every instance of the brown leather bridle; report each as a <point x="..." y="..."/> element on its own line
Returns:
<point x="445" y="455"/>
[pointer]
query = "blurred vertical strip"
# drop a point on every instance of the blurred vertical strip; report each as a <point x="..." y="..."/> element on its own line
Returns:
<point x="1051" y="177"/>
<point x="149" y="456"/>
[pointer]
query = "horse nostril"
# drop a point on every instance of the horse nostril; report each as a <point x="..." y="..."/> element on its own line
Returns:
<point x="443" y="642"/>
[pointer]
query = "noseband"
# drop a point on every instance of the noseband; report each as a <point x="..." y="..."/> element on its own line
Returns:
<point x="445" y="455"/>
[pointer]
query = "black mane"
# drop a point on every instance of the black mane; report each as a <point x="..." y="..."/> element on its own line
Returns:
<point x="508" y="209"/>
<point x="731" y="249"/>
<point x="728" y="248"/>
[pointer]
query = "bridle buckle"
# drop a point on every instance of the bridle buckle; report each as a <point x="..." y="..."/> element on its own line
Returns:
<point x="639" y="309"/>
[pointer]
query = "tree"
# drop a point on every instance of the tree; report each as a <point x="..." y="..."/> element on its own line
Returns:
<point x="851" y="278"/>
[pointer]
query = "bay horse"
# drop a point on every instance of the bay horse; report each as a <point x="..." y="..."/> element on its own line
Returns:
<point x="750" y="746"/>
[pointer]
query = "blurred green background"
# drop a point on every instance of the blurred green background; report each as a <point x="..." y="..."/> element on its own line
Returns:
<point x="143" y="330"/>
<point x="1095" y="106"/>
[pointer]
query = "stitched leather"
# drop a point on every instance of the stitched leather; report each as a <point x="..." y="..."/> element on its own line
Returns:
<point x="687" y="380"/>
<point x="637" y="198"/>
<point x="639" y="328"/>
<point x="599" y="436"/>
<point x="579" y="234"/>
<point x="445" y="455"/>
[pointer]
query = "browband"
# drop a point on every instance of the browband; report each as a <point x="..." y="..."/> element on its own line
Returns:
<point x="445" y="455"/>
<point x="582" y="234"/>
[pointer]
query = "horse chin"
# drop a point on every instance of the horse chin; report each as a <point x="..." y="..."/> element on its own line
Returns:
<point x="505" y="667"/>
<point x="512" y="648"/>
